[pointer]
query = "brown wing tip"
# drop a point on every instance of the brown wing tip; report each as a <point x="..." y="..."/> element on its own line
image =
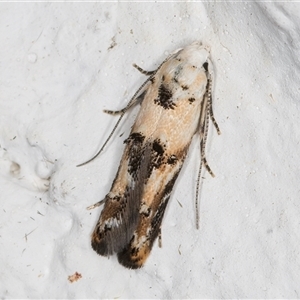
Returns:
<point x="100" y="246"/>
<point x="132" y="258"/>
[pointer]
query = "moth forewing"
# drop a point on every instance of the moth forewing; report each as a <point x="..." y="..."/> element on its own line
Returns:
<point x="175" y="104"/>
<point x="120" y="214"/>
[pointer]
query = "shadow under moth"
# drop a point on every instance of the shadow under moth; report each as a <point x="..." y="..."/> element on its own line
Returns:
<point x="176" y="103"/>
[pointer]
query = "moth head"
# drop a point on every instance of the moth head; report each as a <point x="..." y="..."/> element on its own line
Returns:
<point x="195" y="54"/>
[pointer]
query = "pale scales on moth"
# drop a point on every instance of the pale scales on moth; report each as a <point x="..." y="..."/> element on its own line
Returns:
<point x="176" y="103"/>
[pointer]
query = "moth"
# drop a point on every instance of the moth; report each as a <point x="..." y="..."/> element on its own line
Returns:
<point x="176" y="103"/>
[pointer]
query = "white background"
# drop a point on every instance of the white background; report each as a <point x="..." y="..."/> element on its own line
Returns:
<point x="61" y="64"/>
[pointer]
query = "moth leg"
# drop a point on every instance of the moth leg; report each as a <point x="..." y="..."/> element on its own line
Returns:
<point x="203" y="124"/>
<point x="136" y="99"/>
<point x="211" y="113"/>
<point x="206" y="113"/>
<point x="214" y="121"/>
<point x="207" y="167"/>
<point x="133" y="101"/>
<point x="152" y="73"/>
<point x="210" y="74"/>
<point x="122" y="112"/>
<point x="203" y="161"/>
<point x="204" y="139"/>
<point x="197" y="195"/>
<point x="96" y="204"/>
<point x="159" y="238"/>
<point x="148" y="73"/>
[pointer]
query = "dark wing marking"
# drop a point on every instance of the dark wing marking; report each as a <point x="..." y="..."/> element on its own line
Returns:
<point x="164" y="98"/>
<point x="120" y="214"/>
<point x="133" y="257"/>
<point x="138" y="249"/>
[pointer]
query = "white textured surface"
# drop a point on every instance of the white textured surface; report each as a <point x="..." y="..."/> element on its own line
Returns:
<point x="63" y="63"/>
